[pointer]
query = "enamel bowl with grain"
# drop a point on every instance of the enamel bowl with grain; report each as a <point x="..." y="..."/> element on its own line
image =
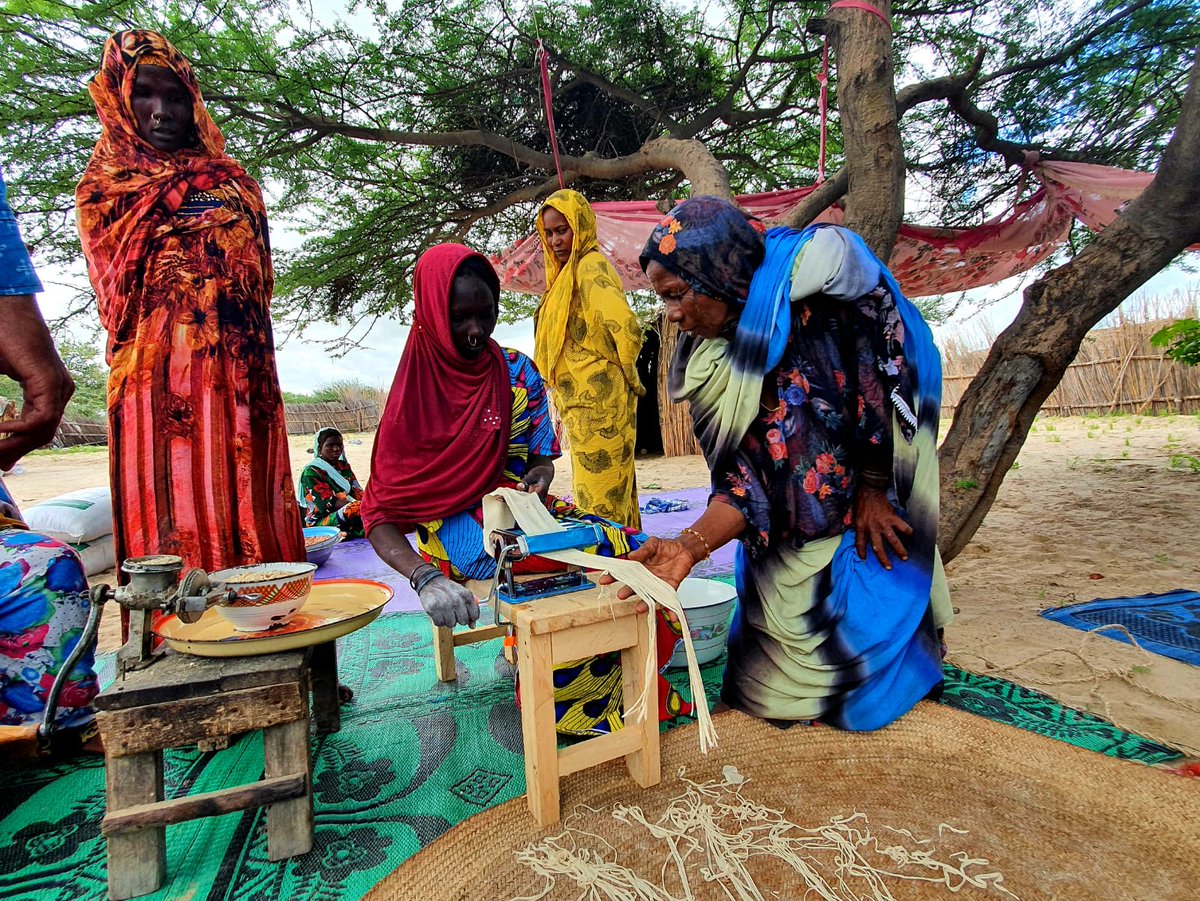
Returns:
<point x="319" y="542"/>
<point x="268" y="594"/>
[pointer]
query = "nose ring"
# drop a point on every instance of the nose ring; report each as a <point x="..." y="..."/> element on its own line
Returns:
<point x="472" y="341"/>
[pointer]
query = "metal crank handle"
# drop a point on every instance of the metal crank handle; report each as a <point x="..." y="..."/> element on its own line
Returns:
<point x="97" y="597"/>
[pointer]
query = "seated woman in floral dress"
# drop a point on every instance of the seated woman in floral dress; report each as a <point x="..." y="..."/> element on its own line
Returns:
<point x="329" y="493"/>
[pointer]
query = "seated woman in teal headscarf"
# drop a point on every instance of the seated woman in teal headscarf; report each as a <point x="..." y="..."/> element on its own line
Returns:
<point x="814" y="389"/>
<point x="329" y="493"/>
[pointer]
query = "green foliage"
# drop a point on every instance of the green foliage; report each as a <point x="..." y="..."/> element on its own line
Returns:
<point x="1182" y="340"/>
<point x="415" y="121"/>
<point x="350" y="392"/>
<point x="74" y="449"/>
<point x="90" y="400"/>
<point x="320" y="396"/>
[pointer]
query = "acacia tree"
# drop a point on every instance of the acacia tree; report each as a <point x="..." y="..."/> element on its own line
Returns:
<point x="424" y="122"/>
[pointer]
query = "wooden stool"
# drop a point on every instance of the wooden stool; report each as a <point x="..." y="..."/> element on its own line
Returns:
<point x="564" y="628"/>
<point x="182" y="700"/>
<point x="445" y="640"/>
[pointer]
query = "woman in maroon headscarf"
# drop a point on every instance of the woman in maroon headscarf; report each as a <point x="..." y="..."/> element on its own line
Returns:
<point x="463" y="418"/>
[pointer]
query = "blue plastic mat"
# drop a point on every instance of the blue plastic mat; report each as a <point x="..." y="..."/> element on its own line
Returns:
<point x="1167" y="624"/>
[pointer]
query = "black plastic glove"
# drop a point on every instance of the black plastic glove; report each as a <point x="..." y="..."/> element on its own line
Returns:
<point x="448" y="603"/>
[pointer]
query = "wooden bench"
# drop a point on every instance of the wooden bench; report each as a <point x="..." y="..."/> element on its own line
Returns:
<point x="182" y="700"/>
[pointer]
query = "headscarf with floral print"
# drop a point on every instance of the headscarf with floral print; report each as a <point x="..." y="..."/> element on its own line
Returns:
<point x="710" y="244"/>
<point x="130" y="188"/>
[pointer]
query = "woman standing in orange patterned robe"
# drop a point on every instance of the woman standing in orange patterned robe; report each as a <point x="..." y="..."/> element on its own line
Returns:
<point x="175" y="234"/>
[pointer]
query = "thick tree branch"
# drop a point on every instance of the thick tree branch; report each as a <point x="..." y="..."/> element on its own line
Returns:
<point x="826" y="195"/>
<point x="1028" y="359"/>
<point x="987" y="134"/>
<point x="467" y="217"/>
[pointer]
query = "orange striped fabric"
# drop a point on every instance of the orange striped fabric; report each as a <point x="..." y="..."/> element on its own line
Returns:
<point x="198" y="444"/>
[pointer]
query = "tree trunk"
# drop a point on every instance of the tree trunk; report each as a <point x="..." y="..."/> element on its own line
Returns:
<point x="678" y="439"/>
<point x="866" y="99"/>
<point x="1029" y="358"/>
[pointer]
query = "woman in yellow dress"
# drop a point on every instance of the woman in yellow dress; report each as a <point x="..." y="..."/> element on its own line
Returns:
<point x="586" y="344"/>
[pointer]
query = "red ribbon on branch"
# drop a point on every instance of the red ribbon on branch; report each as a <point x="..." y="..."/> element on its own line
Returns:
<point x="543" y="61"/>
<point x="858" y="4"/>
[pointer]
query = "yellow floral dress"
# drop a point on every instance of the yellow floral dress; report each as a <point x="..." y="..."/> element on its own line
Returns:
<point x="587" y="341"/>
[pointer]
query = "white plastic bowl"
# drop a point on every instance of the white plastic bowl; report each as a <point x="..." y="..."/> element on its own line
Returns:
<point x="269" y="594"/>
<point x="708" y="605"/>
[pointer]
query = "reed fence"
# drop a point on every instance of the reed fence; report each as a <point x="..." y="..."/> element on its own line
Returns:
<point x="677" y="437"/>
<point x="345" y="417"/>
<point x="302" y="419"/>
<point x="75" y="432"/>
<point x="1116" y="371"/>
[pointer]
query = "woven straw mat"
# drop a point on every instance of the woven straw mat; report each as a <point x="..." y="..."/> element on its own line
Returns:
<point x="1057" y="821"/>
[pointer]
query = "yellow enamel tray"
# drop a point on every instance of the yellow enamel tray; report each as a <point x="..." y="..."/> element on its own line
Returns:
<point x="333" y="609"/>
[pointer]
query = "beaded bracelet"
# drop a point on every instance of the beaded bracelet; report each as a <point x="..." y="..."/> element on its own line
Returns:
<point x="703" y="541"/>
<point x="426" y="576"/>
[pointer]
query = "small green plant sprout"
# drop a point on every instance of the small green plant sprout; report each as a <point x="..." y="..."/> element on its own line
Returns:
<point x="1163" y="558"/>
<point x="1073" y="463"/>
<point x="1016" y="464"/>
<point x="1124" y="455"/>
<point x="1129" y="442"/>
<point x="1141" y="669"/>
<point x="966" y="484"/>
<point x="1050" y="427"/>
<point x="1186" y="461"/>
<point x="1054" y="439"/>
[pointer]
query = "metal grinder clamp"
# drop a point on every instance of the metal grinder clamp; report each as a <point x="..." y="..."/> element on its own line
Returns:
<point x="511" y="546"/>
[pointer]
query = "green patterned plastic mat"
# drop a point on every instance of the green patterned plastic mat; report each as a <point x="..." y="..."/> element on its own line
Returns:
<point x="1006" y="702"/>
<point x="414" y="758"/>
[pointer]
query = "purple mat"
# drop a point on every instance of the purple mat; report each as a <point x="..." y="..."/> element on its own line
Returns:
<point x="669" y="525"/>
<point x="357" y="559"/>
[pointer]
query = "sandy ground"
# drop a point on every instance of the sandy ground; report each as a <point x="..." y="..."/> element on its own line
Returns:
<point x="1094" y="508"/>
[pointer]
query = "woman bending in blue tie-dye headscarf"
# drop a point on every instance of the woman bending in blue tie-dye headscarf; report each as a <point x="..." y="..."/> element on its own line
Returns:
<point x="815" y="391"/>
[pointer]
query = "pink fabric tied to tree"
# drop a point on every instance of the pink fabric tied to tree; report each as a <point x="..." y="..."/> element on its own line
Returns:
<point x="925" y="261"/>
